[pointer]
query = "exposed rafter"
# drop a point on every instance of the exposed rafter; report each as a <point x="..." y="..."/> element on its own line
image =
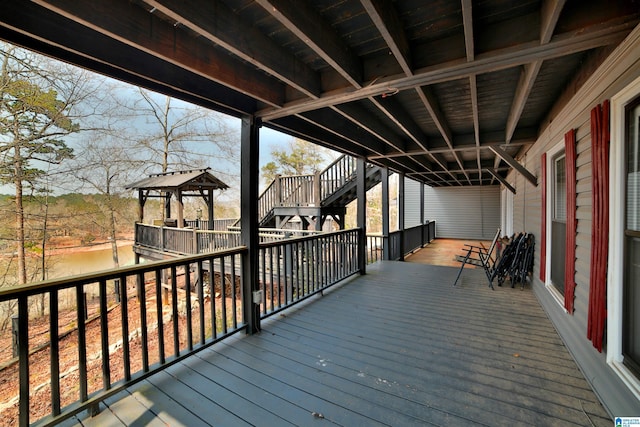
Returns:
<point x="217" y="23"/>
<point x="386" y="20"/>
<point x="307" y="25"/>
<point x="503" y="181"/>
<point x="146" y="32"/>
<point x="514" y="164"/>
<point x="319" y="70"/>
<point x="494" y="61"/>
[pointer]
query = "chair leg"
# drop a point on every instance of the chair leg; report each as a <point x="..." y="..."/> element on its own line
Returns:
<point x="466" y="258"/>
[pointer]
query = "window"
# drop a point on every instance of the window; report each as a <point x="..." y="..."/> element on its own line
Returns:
<point x="558" y="221"/>
<point x="631" y="292"/>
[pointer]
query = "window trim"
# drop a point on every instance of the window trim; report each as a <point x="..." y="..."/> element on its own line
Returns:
<point x="552" y="154"/>
<point x="617" y="199"/>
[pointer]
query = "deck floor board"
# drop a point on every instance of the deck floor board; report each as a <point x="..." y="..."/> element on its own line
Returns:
<point x="397" y="346"/>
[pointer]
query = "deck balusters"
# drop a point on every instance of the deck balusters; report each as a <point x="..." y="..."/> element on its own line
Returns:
<point x="290" y="271"/>
<point x="160" y="315"/>
<point x="201" y="302"/>
<point x="104" y="337"/>
<point x="174" y="311"/>
<point x="55" y="353"/>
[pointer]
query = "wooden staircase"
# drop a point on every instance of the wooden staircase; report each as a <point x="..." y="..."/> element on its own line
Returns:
<point x="313" y="197"/>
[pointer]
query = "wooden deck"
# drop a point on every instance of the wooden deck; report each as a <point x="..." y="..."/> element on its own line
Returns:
<point x="399" y="346"/>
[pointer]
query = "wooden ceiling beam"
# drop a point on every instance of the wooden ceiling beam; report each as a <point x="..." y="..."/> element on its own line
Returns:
<point x="550" y="14"/>
<point x="344" y="127"/>
<point x="561" y="45"/>
<point x="469" y="43"/>
<point x="57" y="36"/>
<point x="152" y="35"/>
<point x="514" y="164"/>
<point x="467" y="22"/>
<point x="384" y="17"/>
<point x="303" y="21"/>
<point x="363" y="118"/>
<point x="216" y="22"/>
<point x="504" y="182"/>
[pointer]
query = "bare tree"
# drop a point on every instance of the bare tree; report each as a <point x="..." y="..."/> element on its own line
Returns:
<point x="180" y="136"/>
<point x="106" y="167"/>
<point x="36" y="114"/>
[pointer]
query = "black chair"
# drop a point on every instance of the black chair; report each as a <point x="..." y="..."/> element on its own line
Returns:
<point x="480" y="256"/>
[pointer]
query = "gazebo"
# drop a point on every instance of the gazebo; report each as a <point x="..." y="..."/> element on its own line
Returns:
<point x="181" y="184"/>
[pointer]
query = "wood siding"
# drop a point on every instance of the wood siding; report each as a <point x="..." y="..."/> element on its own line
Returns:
<point x="411" y="203"/>
<point x="464" y="213"/>
<point x="617" y="71"/>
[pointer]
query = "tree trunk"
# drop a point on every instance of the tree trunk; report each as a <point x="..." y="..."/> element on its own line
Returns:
<point x="22" y="266"/>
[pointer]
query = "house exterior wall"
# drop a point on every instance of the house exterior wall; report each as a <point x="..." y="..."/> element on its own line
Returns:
<point x="617" y="72"/>
<point x="411" y="203"/>
<point x="463" y="212"/>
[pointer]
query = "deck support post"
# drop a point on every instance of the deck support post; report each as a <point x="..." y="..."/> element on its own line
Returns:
<point x="385" y="213"/>
<point x="401" y="216"/>
<point x="423" y="241"/>
<point x="249" y="147"/>
<point x="210" y="209"/>
<point x="361" y="192"/>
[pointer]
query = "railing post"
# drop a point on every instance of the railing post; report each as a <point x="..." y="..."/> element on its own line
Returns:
<point x="317" y="196"/>
<point x="249" y="147"/>
<point x="196" y="244"/>
<point x="422" y="225"/>
<point x="362" y="214"/>
<point x="23" y="353"/>
<point x="385" y="213"/>
<point x="277" y="182"/>
<point x="401" y="216"/>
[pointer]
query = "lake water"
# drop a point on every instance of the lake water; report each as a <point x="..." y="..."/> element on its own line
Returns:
<point x="71" y="264"/>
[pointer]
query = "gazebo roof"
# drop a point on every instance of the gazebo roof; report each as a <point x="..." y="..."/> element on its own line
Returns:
<point x="190" y="180"/>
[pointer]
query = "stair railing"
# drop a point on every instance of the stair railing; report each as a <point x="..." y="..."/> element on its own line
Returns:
<point x="336" y="175"/>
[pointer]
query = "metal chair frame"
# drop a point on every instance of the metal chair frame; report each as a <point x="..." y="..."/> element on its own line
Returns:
<point x="480" y="255"/>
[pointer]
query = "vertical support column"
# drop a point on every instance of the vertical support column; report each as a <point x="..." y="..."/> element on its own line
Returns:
<point x="423" y="241"/>
<point x="141" y="200"/>
<point x="249" y="147"/>
<point x="401" y="216"/>
<point x="385" y="213"/>
<point x="180" y="210"/>
<point x="361" y="192"/>
<point x="167" y="205"/>
<point x="317" y="200"/>
<point x="210" y="209"/>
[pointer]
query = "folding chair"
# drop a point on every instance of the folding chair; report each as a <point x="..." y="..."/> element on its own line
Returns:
<point x="480" y="256"/>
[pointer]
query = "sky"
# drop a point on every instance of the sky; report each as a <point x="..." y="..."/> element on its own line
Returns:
<point x="270" y="140"/>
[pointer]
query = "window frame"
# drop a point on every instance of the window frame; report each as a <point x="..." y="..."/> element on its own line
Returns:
<point x="553" y="154"/>
<point x="617" y="225"/>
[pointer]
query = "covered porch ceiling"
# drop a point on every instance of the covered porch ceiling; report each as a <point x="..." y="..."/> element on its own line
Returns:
<point x="450" y="93"/>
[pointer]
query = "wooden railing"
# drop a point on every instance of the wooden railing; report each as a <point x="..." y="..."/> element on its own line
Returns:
<point x="295" y="269"/>
<point x="129" y="323"/>
<point x="336" y="175"/>
<point x="126" y="324"/>
<point x="296" y="190"/>
<point x="186" y="241"/>
<point x="404" y="242"/>
<point x="221" y="224"/>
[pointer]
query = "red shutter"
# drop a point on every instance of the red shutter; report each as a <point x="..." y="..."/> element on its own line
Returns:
<point x="572" y="223"/>
<point x="543" y="227"/>
<point x="600" y="224"/>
